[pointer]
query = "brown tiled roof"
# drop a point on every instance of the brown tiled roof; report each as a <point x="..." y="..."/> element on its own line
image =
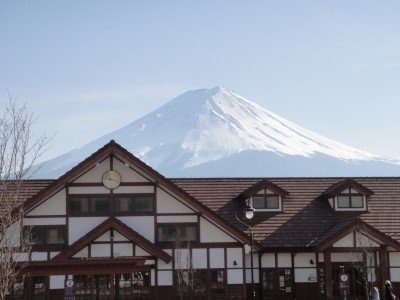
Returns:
<point x="305" y="218"/>
<point x="19" y="192"/>
<point x="345" y="184"/>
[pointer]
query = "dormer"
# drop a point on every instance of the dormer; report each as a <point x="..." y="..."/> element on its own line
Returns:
<point x="347" y="195"/>
<point x="264" y="196"/>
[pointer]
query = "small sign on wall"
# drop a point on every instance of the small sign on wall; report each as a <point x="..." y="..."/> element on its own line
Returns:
<point x="312" y="278"/>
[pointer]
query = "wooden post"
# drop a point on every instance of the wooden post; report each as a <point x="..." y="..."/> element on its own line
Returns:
<point x="383" y="265"/>
<point x="328" y="275"/>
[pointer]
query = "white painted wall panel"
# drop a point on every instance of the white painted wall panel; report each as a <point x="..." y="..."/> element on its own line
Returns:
<point x="168" y="204"/>
<point x="345" y="257"/>
<point x="153" y="277"/>
<point x="84" y="252"/>
<point x="12" y="236"/>
<point x="123" y="249"/>
<point x="177" y="219"/>
<point x="395" y="274"/>
<point x="79" y="226"/>
<point x="88" y="190"/>
<point x="141" y="252"/>
<point x="96" y="173"/>
<point x="119" y="237"/>
<point x="162" y="265"/>
<point x="199" y="258"/>
<point x="100" y="250"/>
<point x="181" y="258"/>
<point x="268" y="260"/>
<point x="303" y="260"/>
<point x="143" y="225"/>
<point x="321" y="257"/>
<point x="255" y="274"/>
<point x="53" y="254"/>
<point x="209" y="233"/>
<point x="164" y="278"/>
<point x="45" y="221"/>
<point x="134" y="190"/>
<point x="305" y="275"/>
<point x="55" y="205"/>
<point x="105" y="237"/>
<point x="57" y="282"/>
<point x="39" y="255"/>
<point x="347" y="241"/>
<point x="21" y="256"/>
<point x="284" y="260"/>
<point x="235" y="276"/>
<point x="247" y="258"/>
<point x="128" y="174"/>
<point x="234" y="255"/>
<point x="363" y="241"/>
<point x="217" y="258"/>
<point x="394" y="259"/>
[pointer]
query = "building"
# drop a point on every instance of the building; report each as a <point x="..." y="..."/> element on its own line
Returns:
<point x="107" y="229"/>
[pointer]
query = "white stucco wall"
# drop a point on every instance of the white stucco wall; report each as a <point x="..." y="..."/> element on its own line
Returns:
<point x="303" y="260"/>
<point x="128" y="174"/>
<point x="168" y="204"/>
<point x="79" y="226"/>
<point x="55" y="205"/>
<point x="234" y="255"/>
<point x="347" y="241"/>
<point x="96" y="173"/>
<point x="209" y="233"/>
<point x="284" y="260"/>
<point x="164" y="278"/>
<point x="217" y="258"/>
<point x="305" y="275"/>
<point x="143" y="225"/>
<point x="123" y="249"/>
<point x="57" y="282"/>
<point x="268" y="260"/>
<point x="199" y="258"/>
<point x="44" y="221"/>
<point x="177" y="219"/>
<point x="235" y="276"/>
<point x="394" y="259"/>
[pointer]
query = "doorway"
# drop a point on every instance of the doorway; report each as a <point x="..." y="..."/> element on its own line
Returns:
<point x="356" y="280"/>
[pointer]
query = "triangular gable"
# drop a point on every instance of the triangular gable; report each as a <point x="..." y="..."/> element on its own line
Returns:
<point x="263" y="184"/>
<point x="123" y="229"/>
<point x="114" y="149"/>
<point x="342" y="229"/>
<point x="340" y="186"/>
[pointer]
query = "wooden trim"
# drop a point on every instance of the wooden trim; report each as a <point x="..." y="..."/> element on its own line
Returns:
<point x="328" y="275"/>
<point x="96" y="184"/>
<point x="121" y="228"/>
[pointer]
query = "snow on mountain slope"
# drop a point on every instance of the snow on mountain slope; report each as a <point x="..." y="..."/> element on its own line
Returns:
<point x="212" y="125"/>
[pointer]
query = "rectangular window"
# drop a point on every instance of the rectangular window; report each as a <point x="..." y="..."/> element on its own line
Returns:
<point x="47" y="235"/>
<point x="89" y="205"/>
<point x="217" y="284"/>
<point x="177" y="232"/>
<point x="266" y="202"/>
<point x="133" y="203"/>
<point x="350" y="201"/>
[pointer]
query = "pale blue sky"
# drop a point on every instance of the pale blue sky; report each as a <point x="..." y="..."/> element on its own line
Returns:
<point x="90" y="67"/>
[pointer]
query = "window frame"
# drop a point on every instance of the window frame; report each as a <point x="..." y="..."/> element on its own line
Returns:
<point x="111" y="205"/>
<point x="265" y="195"/>
<point x="48" y="246"/>
<point x="194" y="224"/>
<point x="348" y="193"/>
<point x="133" y="213"/>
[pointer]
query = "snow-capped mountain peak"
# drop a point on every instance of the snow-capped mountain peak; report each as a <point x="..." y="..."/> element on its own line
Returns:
<point x="204" y="126"/>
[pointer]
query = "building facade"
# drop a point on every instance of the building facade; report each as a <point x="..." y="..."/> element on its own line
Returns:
<point x="114" y="228"/>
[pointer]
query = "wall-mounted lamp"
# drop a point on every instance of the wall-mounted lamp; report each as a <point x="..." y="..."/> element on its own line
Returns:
<point x="311" y="262"/>
<point x="112" y="234"/>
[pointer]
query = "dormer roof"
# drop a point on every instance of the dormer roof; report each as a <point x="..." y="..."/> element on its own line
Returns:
<point x="340" y="186"/>
<point x="263" y="184"/>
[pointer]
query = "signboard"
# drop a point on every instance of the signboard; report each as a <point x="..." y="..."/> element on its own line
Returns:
<point x="69" y="290"/>
<point x="344" y="285"/>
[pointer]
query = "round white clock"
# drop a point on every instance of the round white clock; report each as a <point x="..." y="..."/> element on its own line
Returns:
<point x="69" y="283"/>
<point x="111" y="179"/>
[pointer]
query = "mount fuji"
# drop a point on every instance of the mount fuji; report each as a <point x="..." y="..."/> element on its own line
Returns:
<point x="218" y="133"/>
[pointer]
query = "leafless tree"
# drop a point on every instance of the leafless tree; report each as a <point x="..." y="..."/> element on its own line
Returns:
<point x="185" y="270"/>
<point x="364" y="261"/>
<point x="19" y="151"/>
